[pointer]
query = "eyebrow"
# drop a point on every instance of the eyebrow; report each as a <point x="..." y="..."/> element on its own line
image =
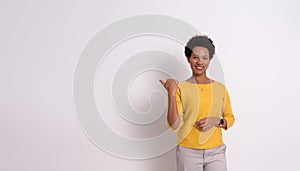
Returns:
<point x="198" y="56"/>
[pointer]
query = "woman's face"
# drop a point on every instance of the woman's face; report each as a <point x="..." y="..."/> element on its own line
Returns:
<point x="199" y="60"/>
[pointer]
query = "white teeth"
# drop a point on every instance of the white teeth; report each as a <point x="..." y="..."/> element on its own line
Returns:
<point x="199" y="67"/>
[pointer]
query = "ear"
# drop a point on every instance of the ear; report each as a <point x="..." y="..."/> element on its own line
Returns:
<point x="188" y="59"/>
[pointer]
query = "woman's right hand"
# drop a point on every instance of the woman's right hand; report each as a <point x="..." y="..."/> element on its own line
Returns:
<point x="171" y="85"/>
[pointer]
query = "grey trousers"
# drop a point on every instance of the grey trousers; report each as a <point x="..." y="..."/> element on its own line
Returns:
<point x="212" y="159"/>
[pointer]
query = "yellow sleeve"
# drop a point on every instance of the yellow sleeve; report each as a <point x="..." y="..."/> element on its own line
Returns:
<point x="227" y="114"/>
<point x="179" y="109"/>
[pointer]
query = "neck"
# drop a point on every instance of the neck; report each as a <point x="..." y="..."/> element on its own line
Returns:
<point x="201" y="79"/>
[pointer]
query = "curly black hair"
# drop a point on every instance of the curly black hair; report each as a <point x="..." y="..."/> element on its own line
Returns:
<point x="203" y="41"/>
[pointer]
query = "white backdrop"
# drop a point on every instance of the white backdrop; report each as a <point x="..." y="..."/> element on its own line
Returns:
<point x="41" y="41"/>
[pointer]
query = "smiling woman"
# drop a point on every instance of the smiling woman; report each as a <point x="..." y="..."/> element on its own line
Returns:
<point x="199" y="108"/>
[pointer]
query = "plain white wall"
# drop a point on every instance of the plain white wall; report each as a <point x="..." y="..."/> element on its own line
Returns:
<point x="257" y="44"/>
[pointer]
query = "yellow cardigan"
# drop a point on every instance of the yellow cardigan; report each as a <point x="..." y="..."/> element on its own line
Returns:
<point x="197" y="101"/>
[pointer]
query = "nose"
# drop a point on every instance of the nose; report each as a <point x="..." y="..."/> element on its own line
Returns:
<point x="199" y="61"/>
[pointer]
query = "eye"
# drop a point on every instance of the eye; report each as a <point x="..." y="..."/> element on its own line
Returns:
<point x="205" y="58"/>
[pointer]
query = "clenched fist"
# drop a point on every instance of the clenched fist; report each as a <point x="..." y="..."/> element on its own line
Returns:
<point x="171" y="85"/>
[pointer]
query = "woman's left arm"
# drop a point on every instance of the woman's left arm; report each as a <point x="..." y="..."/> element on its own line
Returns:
<point x="227" y="114"/>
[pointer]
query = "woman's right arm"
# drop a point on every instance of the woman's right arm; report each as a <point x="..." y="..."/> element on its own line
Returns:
<point x="173" y="117"/>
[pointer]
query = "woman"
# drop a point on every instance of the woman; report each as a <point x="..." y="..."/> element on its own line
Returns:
<point x="199" y="108"/>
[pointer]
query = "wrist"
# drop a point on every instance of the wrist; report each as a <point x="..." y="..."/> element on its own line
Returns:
<point x="171" y="94"/>
<point x="221" y="123"/>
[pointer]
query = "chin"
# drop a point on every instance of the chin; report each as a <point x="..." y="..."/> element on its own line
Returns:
<point x="198" y="72"/>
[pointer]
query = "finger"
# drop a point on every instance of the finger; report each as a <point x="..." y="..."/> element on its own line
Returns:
<point x="198" y="127"/>
<point x="201" y="128"/>
<point x="176" y="82"/>
<point x="171" y="80"/>
<point x="202" y="125"/>
<point x="201" y="121"/>
<point x="198" y="123"/>
<point x="162" y="83"/>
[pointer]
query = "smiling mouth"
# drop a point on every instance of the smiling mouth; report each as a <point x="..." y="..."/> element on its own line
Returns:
<point x="199" y="67"/>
